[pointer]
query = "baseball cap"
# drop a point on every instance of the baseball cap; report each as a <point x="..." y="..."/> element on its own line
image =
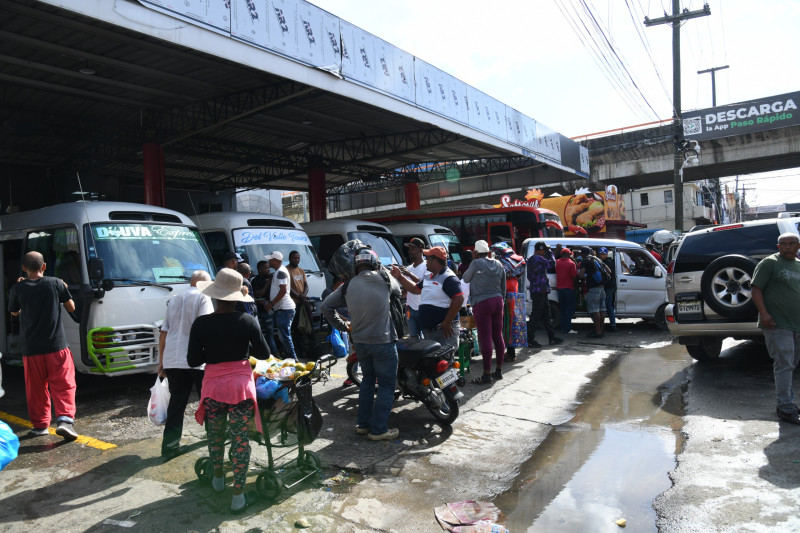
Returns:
<point x="602" y="250"/>
<point x="275" y="255"/>
<point x="482" y="247"/>
<point x="227" y="256"/>
<point x="416" y="241"/>
<point x="436" y="251"/>
<point x="540" y="246"/>
<point x="585" y="250"/>
<point x="566" y="251"/>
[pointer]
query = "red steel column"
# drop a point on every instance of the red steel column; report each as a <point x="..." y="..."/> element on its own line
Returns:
<point x="154" y="180"/>
<point x="317" y="198"/>
<point x="412" y="196"/>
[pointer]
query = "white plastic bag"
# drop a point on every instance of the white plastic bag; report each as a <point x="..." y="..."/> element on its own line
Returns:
<point x="159" y="401"/>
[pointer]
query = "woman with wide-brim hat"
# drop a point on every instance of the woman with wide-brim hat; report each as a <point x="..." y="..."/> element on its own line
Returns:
<point x="222" y="341"/>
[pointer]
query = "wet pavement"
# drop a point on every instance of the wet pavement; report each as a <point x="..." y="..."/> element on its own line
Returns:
<point x="613" y="458"/>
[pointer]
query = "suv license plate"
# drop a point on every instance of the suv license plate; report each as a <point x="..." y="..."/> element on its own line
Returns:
<point x="691" y="307"/>
<point x="447" y="379"/>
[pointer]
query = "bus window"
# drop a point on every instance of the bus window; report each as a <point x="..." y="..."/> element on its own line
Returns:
<point x="449" y="243"/>
<point x="59" y="246"/>
<point x="382" y="246"/>
<point x="501" y="233"/>
<point x="326" y="245"/>
<point x="217" y="244"/>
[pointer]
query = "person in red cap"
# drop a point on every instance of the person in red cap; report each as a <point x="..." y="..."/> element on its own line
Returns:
<point x="566" y="274"/>
<point x="441" y="297"/>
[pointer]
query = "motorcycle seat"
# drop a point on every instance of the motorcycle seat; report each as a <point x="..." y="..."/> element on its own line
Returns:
<point x="416" y="349"/>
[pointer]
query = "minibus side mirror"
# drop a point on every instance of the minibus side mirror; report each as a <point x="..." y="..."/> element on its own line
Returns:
<point x="96" y="272"/>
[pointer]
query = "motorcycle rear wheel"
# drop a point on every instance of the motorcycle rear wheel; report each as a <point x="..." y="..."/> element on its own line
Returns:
<point x="445" y="418"/>
<point x="354" y="372"/>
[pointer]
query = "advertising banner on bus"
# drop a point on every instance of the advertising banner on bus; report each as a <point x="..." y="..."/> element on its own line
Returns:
<point x="583" y="213"/>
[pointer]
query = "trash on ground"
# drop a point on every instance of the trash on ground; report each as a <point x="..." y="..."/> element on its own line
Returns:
<point x="342" y="478"/>
<point x="469" y="516"/>
<point x="621" y="522"/>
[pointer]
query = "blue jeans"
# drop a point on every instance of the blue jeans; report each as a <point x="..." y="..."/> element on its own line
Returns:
<point x="378" y="362"/>
<point x="283" y="325"/>
<point x="784" y="348"/>
<point x="414" y="327"/>
<point x="611" y="306"/>
<point x="267" y="329"/>
<point x="566" y="302"/>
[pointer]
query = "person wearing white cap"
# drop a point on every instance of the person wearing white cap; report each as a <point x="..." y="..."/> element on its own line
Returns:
<point x="281" y="304"/>
<point x="487" y="279"/>
<point x="222" y="341"/>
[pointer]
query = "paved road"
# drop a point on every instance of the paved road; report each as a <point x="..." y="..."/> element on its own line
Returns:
<point x="80" y="486"/>
<point x="740" y="468"/>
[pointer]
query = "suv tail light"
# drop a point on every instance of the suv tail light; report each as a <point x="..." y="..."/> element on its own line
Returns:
<point x="671" y="267"/>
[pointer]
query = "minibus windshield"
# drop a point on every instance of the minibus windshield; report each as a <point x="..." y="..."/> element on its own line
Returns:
<point x="157" y="253"/>
<point x="382" y="246"/>
<point x="256" y="244"/>
<point x="450" y="243"/>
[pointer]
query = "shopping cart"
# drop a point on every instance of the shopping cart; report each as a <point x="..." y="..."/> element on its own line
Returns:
<point x="287" y="428"/>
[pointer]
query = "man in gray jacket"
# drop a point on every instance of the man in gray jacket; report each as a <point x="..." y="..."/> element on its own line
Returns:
<point x="366" y="297"/>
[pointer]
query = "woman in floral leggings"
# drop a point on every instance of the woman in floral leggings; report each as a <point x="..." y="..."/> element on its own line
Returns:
<point x="222" y="341"/>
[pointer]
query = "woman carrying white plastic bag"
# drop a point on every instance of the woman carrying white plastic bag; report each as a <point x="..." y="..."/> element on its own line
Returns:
<point x="159" y="401"/>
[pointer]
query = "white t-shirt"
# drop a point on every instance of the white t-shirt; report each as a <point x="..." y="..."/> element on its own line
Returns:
<point x="412" y="300"/>
<point x="180" y="315"/>
<point x="281" y="277"/>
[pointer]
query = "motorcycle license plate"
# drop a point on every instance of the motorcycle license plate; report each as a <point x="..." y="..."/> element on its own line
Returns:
<point x="447" y="379"/>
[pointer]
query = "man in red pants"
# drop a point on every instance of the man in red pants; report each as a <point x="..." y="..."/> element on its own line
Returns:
<point x="47" y="360"/>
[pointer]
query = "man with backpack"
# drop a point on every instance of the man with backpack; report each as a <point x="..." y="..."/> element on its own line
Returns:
<point x="367" y="298"/>
<point x="595" y="274"/>
<point x="539" y="263"/>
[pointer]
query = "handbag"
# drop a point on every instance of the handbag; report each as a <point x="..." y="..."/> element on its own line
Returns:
<point x="159" y="401"/>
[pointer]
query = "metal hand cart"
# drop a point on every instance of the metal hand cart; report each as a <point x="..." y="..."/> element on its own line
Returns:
<point x="283" y="435"/>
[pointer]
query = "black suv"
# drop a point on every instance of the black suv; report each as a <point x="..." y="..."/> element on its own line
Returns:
<point x="708" y="283"/>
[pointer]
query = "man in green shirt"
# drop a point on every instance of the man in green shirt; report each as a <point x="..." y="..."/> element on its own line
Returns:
<point x="776" y="294"/>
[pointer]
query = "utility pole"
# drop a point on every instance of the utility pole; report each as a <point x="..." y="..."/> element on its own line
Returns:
<point x="713" y="70"/>
<point x="713" y="82"/>
<point x="675" y="20"/>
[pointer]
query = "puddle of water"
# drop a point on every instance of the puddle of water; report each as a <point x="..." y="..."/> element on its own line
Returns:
<point x="611" y="460"/>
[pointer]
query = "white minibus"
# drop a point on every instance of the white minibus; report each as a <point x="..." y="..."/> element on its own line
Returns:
<point x="122" y="263"/>
<point x="431" y="235"/>
<point x="256" y="235"/>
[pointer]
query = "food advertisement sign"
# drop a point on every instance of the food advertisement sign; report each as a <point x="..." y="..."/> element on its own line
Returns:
<point x="584" y="213"/>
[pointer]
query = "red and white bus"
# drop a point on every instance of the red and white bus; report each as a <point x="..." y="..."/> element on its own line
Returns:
<point x="493" y="224"/>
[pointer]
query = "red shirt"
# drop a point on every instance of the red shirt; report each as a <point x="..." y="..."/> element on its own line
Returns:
<point x="566" y="272"/>
<point x="656" y="255"/>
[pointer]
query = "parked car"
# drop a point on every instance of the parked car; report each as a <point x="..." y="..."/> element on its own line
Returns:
<point x="641" y="279"/>
<point x="708" y="284"/>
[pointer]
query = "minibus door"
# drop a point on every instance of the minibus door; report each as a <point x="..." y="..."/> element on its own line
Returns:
<point x="500" y="232"/>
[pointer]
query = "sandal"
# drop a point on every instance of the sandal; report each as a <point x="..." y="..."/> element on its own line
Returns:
<point x="485" y="379"/>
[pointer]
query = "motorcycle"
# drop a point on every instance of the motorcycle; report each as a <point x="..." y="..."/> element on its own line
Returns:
<point x="426" y="373"/>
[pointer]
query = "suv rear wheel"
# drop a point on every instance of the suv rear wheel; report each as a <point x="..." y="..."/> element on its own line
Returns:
<point x="708" y="349"/>
<point x="725" y="286"/>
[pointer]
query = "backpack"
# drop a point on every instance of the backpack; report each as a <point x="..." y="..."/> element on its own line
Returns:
<point x="601" y="274"/>
<point x="396" y="310"/>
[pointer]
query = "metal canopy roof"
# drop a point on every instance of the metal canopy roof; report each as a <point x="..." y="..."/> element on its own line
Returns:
<point x="80" y="93"/>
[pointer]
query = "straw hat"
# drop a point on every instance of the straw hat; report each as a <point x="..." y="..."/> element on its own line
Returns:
<point x="227" y="286"/>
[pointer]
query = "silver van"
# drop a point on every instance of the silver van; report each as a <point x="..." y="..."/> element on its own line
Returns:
<point x="431" y="235"/>
<point x="328" y="235"/>
<point x="640" y="278"/>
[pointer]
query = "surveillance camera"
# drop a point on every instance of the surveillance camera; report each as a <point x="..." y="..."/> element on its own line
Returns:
<point x="693" y="146"/>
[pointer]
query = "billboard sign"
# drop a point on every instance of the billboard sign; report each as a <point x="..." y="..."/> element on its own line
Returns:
<point x="745" y="117"/>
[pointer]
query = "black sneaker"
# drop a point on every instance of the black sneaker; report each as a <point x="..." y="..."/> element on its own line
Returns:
<point x="792" y="418"/>
<point x="556" y="340"/>
<point x="534" y="344"/>
<point x="172" y="453"/>
<point x="66" y="431"/>
<point x="497" y="374"/>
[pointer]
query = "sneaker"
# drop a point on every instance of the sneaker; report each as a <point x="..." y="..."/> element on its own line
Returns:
<point x="571" y="332"/>
<point x="389" y="435"/>
<point x="172" y="453"/>
<point x="793" y="418"/>
<point x="38" y="432"/>
<point x="594" y="335"/>
<point x="534" y="344"/>
<point x="362" y="431"/>
<point x="611" y="328"/>
<point x="556" y="340"/>
<point x="497" y="374"/>
<point x="66" y="431"/>
<point x="485" y="379"/>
